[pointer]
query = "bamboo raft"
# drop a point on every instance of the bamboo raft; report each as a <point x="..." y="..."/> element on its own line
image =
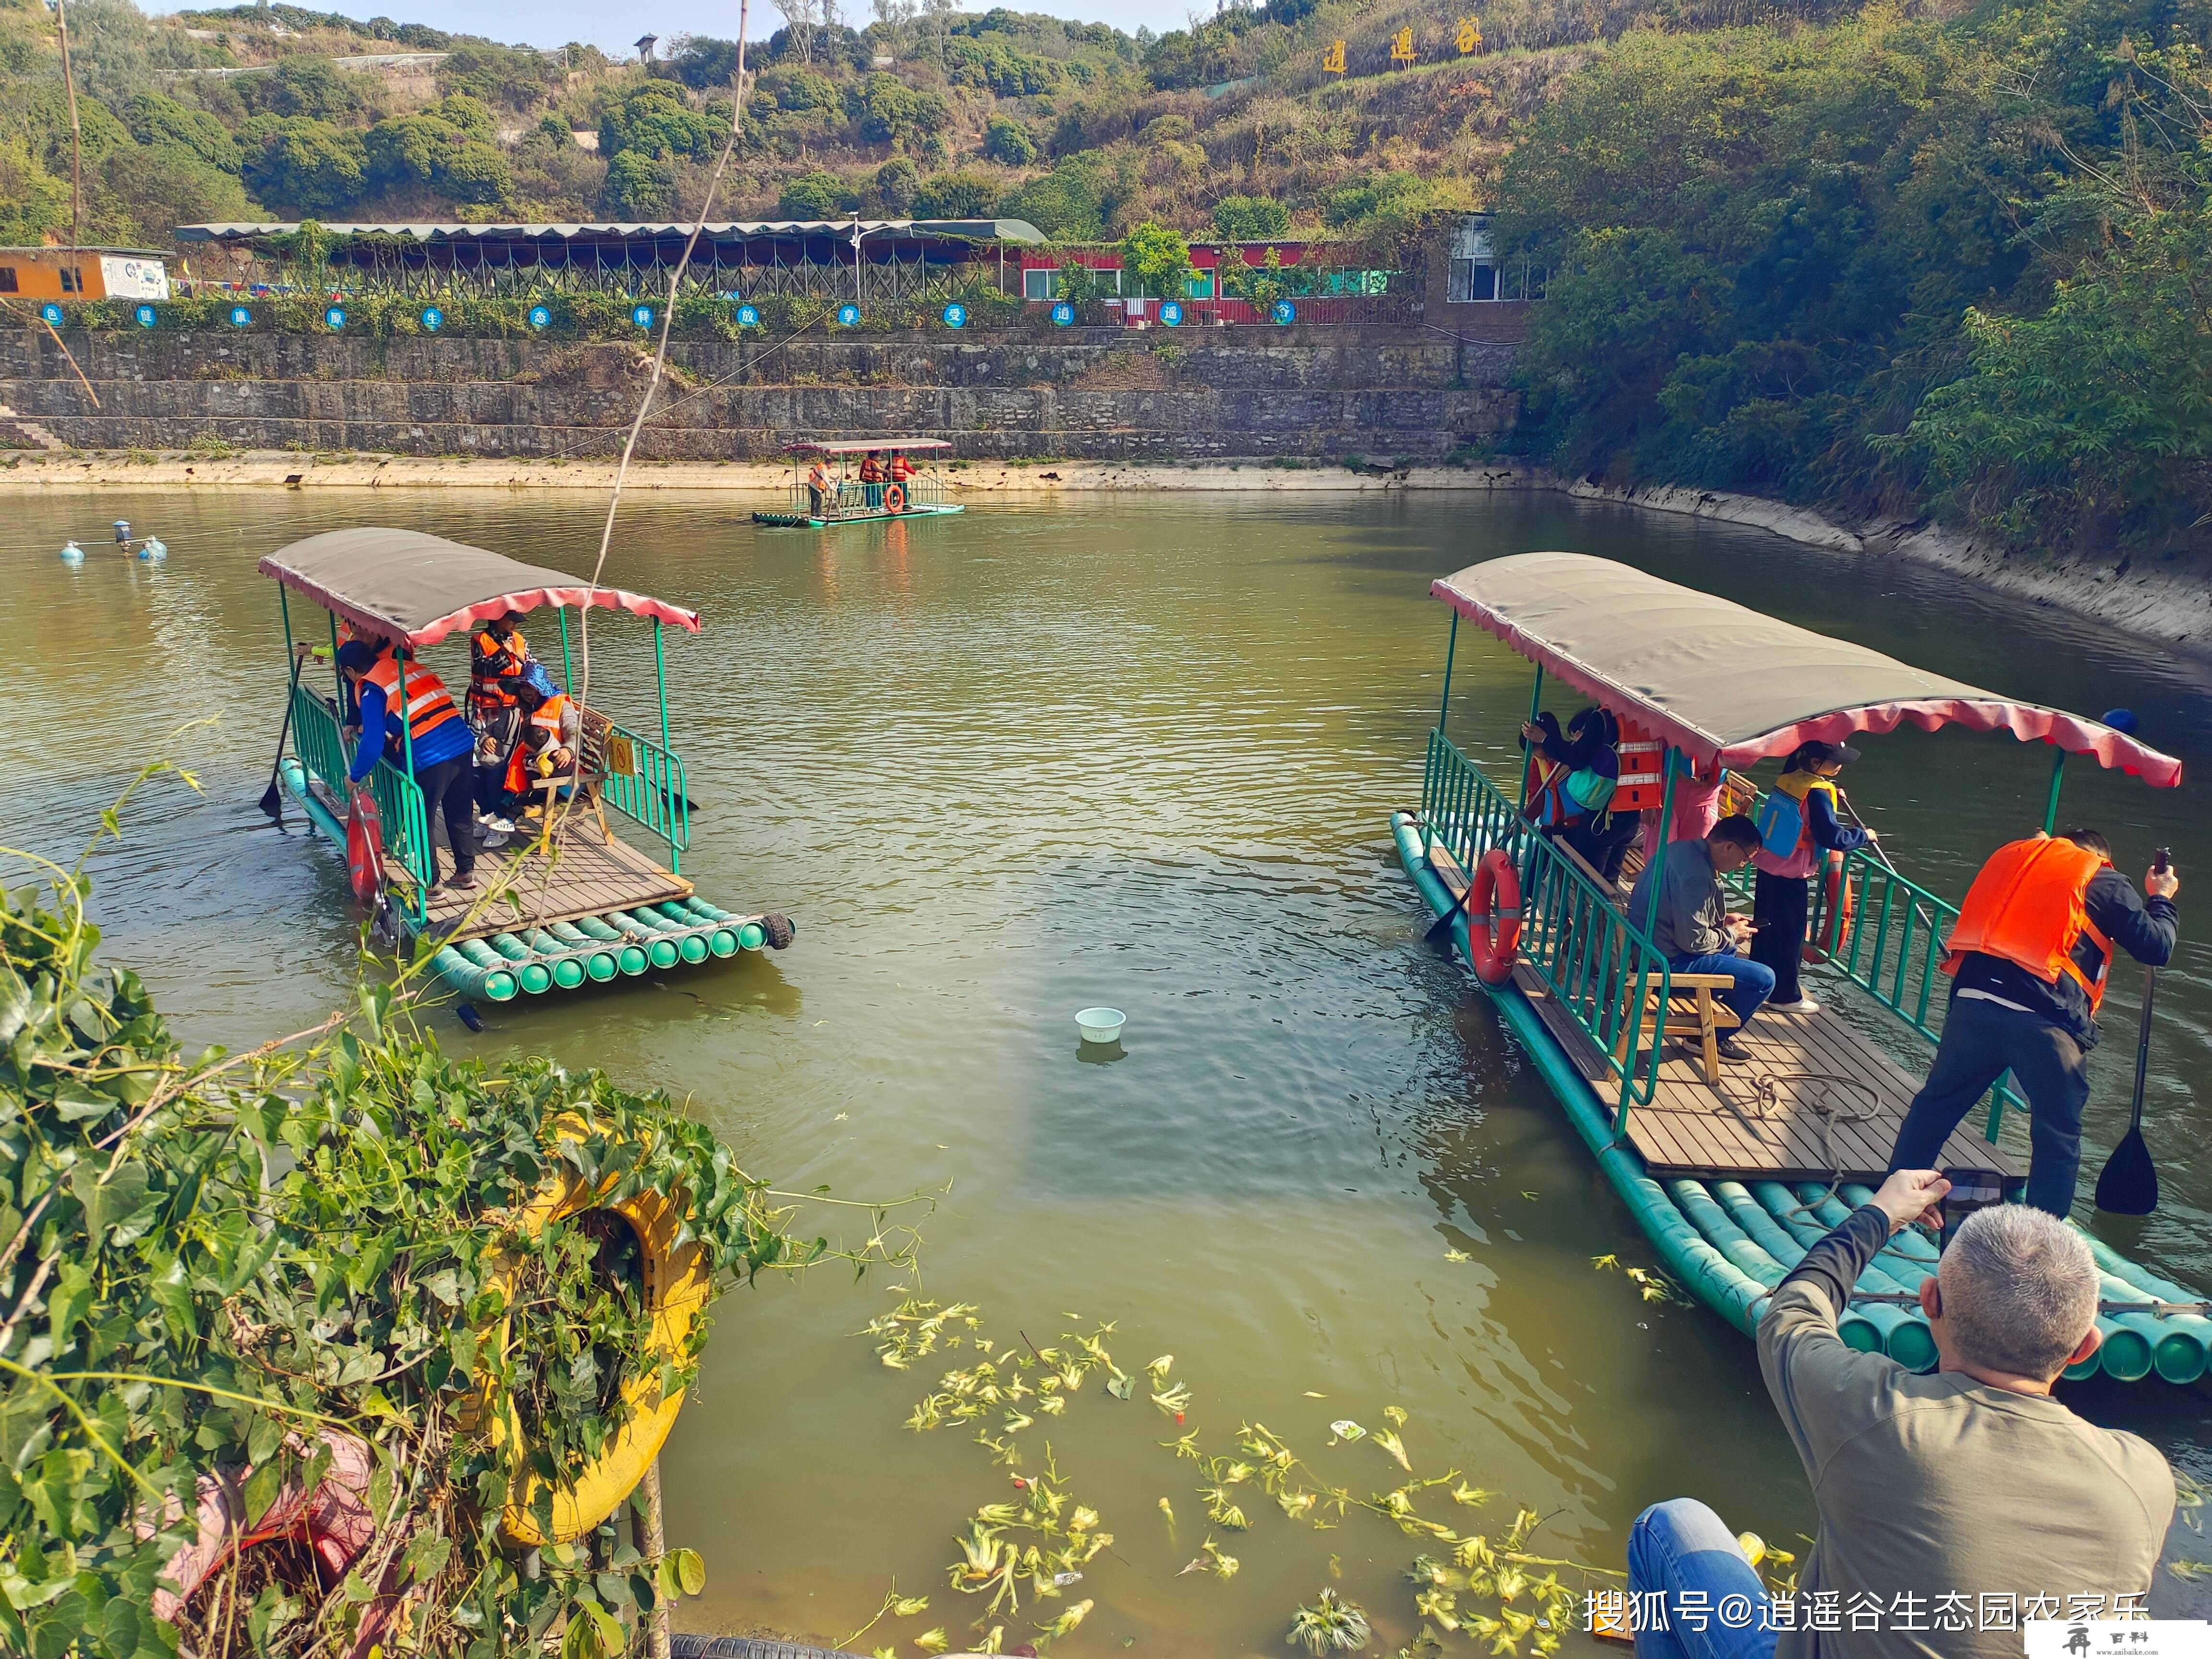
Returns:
<point x="1735" y="1175"/>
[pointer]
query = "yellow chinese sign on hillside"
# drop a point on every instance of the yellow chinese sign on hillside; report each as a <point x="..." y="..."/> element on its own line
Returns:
<point x="1401" y="45"/>
<point x="1469" y="37"/>
<point x="1332" y="61"/>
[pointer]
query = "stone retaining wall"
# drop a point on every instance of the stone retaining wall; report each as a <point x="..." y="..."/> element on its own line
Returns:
<point x="1410" y="393"/>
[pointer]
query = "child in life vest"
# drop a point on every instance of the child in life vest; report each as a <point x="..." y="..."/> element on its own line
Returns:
<point x="1798" y="827"/>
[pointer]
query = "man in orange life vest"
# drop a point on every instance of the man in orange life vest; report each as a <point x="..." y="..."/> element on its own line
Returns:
<point x="2029" y="959"/>
<point x="442" y="744"/>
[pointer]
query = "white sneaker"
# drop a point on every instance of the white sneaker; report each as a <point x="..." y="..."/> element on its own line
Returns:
<point x="1804" y="1004"/>
<point x="499" y="826"/>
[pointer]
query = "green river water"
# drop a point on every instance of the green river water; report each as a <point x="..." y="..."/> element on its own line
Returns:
<point x="1135" y="752"/>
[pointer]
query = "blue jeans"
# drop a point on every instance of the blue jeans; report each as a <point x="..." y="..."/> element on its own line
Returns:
<point x="1755" y="980"/>
<point x="1684" y="1552"/>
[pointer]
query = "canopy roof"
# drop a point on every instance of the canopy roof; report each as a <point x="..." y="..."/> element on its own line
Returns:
<point x="725" y="230"/>
<point x="1726" y="683"/>
<point x="863" y="446"/>
<point x="407" y="585"/>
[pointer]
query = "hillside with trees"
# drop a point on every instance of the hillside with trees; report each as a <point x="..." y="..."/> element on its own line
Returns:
<point x="1233" y="127"/>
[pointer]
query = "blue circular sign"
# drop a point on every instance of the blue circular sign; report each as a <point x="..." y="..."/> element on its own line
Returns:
<point x="748" y="316"/>
<point x="1063" y="314"/>
<point x="51" y="314"/>
<point x="1171" y="314"/>
<point x="955" y="316"/>
<point x="848" y="315"/>
<point x="241" y="316"/>
<point x="540" y="316"/>
<point x="145" y="316"/>
<point x="335" y="317"/>
<point x="641" y="315"/>
<point x="1285" y="311"/>
<point x="433" y="318"/>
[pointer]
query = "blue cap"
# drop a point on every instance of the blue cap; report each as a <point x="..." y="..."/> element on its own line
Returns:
<point x="2121" y="719"/>
<point x="356" y="657"/>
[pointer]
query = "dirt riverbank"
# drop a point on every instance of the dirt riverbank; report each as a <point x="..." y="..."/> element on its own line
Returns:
<point x="2167" y="601"/>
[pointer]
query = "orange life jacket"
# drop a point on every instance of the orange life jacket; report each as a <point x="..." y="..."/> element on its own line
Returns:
<point x="872" y="471"/>
<point x="900" y="469"/>
<point x="494" y="659"/>
<point x="2028" y="906"/>
<point x="429" y="705"/>
<point x="521" y="760"/>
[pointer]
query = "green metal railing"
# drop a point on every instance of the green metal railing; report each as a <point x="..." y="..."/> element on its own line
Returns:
<point x="849" y="496"/>
<point x="398" y="802"/>
<point x="1598" y="967"/>
<point x="650" y="792"/>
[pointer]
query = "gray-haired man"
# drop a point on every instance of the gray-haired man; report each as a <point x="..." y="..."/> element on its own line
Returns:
<point x="1940" y="1497"/>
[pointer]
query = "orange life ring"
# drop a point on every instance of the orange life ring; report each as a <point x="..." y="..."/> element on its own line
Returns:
<point x="894" y="498"/>
<point x="1493" y="917"/>
<point x="364" y="845"/>
<point x="1838" y="910"/>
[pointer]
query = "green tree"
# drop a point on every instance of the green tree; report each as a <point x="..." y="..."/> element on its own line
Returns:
<point x="638" y="187"/>
<point x="33" y="204"/>
<point x="815" y="196"/>
<point x="1250" y="218"/>
<point x="154" y="118"/>
<point x="896" y="181"/>
<point x="955" y="195"/>
<point x="299" y="164"/>
<point x="1155" y="261"/>
<point x="656" y="119"/>
<point x="885" y="110"/>
<point x="1007" y="142"/>
<point x="146" y="191"/>
<point x="310" y="87"/>
<point x="1067" y="204"/>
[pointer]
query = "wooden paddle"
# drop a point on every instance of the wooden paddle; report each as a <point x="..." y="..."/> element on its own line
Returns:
<point x="2128" y="1184"/>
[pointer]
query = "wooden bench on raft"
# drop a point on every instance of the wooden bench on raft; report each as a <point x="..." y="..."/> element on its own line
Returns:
<point x="596" y="746"/>
<point x="1692" y="1010"/>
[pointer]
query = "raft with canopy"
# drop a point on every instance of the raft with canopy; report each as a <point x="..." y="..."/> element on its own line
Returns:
<point x="568" y="903"/>
<point x="1733" y="1173"/>
<point x="849" y="499"/>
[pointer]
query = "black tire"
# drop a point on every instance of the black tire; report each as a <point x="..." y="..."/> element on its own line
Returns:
<point x="779" y="930"/>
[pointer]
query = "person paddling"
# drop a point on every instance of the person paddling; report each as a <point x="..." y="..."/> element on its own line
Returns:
<point x="439" y="737"/>
<point x="1797" y="829"/>
<point x="2029" y="959"/>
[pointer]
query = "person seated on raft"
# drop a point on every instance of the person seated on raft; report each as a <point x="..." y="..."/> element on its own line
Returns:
<point x="1938" y="1494"/>
<point x="1694" y="928"/>
<point x="545" y="750"/>
<point x="1798" y="828"/>
<point x="1576" y="776"/>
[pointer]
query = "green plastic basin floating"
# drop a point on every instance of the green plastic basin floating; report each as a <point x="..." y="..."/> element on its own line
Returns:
<point x="1730" y="1241"/>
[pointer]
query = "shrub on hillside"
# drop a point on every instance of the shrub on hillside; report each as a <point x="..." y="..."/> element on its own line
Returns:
<point x="1250" y="218"/>
<point x="1007" y="141"/>
<point x="955" y="195"/>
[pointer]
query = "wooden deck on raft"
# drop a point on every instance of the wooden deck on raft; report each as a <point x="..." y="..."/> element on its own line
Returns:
<point x="1816" y="1102"/>
<point x="580" y="874"/>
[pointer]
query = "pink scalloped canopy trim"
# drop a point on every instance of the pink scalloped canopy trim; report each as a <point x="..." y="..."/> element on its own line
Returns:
<point x="524" y="599"/>
<point x="2029" y="722"/>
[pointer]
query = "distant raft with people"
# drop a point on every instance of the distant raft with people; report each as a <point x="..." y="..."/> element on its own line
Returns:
<point x="1732" y="1174"/>
<point x="568" y="903"/>
<point x="828" y="487"/>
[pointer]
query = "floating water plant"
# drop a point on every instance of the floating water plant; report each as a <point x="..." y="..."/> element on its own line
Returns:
<point x="1331" y="1625"/>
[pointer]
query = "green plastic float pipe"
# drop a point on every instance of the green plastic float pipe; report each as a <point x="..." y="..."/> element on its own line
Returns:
<point x="1887" y="1325"/>
<point x="498" y="979"/>
<point x="492" y="984"/>
<point x="722" y="941"/>
<point x="1701" y="1269"/>
<point x="295" y="781"/>
<point x="1859" y="1328"/>
<point x="629" y="956"/>
<point x="568" y="668"/>
<point x="533" y="976"/>
<point x="2141" y="1282"/>
<point x="658" y="946"/>
<point x="567" y="967"/>
<point x="1908" y="1340"/>
<point x="598" y="961"/>
<point x="2131" y="1341"/>
<point x="2179" y="1341"/>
